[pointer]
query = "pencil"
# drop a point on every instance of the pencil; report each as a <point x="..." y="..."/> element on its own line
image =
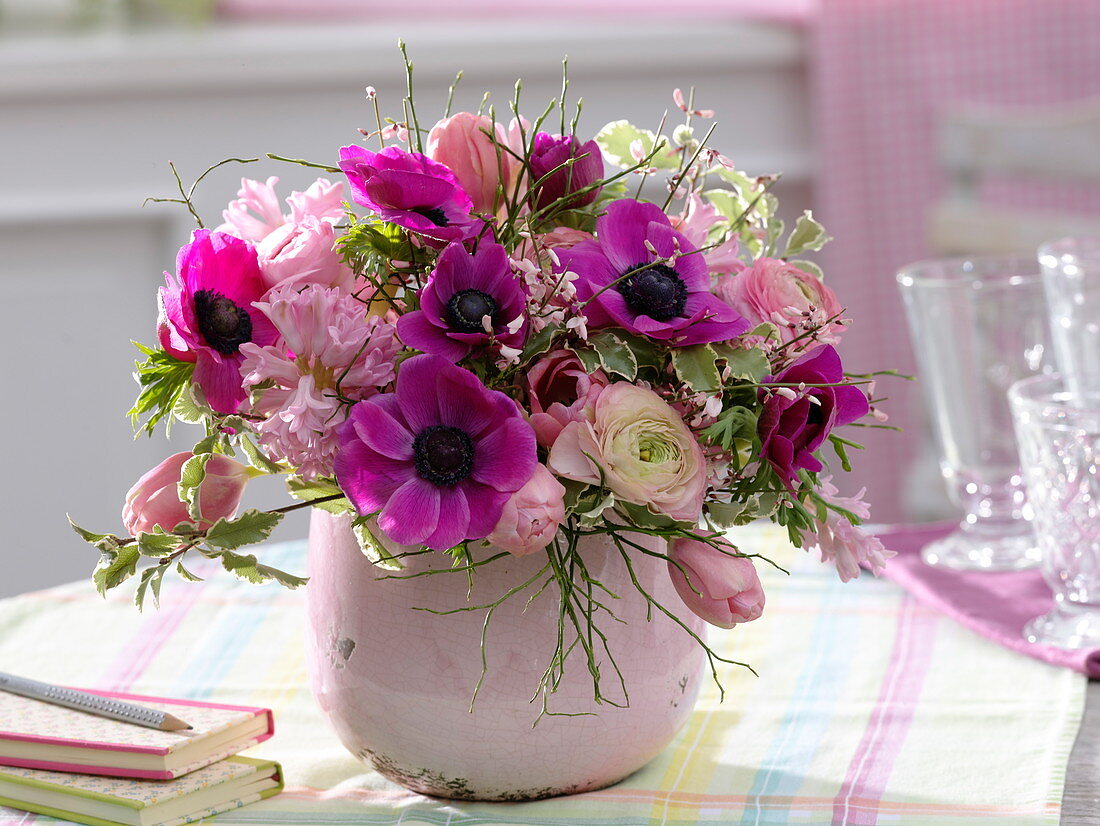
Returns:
<point x="92" y="703"/>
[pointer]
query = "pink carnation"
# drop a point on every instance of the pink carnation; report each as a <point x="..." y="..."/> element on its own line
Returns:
<point x="327" y="339"/>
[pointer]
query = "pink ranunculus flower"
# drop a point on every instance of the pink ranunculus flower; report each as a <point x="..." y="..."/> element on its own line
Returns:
<point x="722" y="589"/>
<point x="560" y="390"/>
<point x="464" y="144"/>
<point x="531" y="517"/>
<point x="640" y="448"/>
<point x="775" y="291"/>
<point x="154" y="499"/>
<point x="297" y="254"/>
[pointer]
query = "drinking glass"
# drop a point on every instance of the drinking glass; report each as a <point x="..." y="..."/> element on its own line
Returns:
<point x="1058" y="431"/>
<point x="1071" y="277"/>
<point x="977" y="326"/>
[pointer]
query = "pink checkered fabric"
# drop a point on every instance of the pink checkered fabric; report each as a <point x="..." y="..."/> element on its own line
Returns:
<point x="882" y="72"/>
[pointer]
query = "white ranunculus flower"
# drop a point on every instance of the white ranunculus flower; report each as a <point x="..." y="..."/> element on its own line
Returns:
<point x="640" y="448"/>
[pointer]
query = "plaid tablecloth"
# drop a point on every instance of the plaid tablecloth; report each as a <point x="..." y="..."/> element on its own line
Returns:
<point x="869" y="708"/>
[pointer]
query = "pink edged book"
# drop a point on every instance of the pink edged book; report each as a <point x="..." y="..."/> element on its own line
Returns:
<point x="39" y="735"/>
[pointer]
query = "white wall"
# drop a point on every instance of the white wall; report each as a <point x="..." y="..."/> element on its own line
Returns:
<point x="87" y="127"/>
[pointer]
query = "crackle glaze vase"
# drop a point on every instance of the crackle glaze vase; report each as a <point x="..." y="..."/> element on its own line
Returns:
<point x="396" y="683"/>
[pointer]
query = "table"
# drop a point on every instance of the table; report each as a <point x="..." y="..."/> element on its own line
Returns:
<point x="870" y="708"/>
<point x="1081" y="804"/>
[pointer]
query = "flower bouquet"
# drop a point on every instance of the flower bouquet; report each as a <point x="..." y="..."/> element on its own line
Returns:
<point x="495" y="340"/>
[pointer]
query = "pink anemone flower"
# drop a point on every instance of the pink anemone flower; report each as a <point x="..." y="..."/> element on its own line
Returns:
<point x="207" y="313"/>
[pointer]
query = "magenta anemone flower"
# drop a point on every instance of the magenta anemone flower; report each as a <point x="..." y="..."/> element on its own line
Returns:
<point x="624" y="287"/>
<point x="461" y="291"/>
<point x="548" y="153"/>
<point x="791" y="429"/>
<point x="410" y="190"/>
<point x="438" y="458"/>
<point x="207" y="313"/>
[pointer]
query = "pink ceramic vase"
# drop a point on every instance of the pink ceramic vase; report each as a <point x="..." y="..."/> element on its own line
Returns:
<point x="396" y="682"/>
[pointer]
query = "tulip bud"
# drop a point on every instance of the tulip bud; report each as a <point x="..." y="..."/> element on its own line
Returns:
<point x="550" y="152"/>
<point x="464" y="143"/>
<point x="154" y="498"/>
<point x="724" y="590"/>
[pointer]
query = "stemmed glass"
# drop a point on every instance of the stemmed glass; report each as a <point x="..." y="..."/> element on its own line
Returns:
<point x="977" y="326"/>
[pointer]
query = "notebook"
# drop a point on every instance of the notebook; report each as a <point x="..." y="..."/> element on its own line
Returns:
<point x="106" y="801"/>
<point x="40" y="735"/>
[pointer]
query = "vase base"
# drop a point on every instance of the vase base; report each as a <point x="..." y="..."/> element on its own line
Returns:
<point x="433" y="784"/>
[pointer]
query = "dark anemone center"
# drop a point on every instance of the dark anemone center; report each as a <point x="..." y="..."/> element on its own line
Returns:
<point x="466" y="309"/>
<point x="433" y="214"/>
<point x="223" y="324"/>
<point x="443" y="455"/>
<point x="656" y="291"/>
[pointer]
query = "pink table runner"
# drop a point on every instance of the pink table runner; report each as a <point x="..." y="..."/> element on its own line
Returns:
<point x="996" y="605"/>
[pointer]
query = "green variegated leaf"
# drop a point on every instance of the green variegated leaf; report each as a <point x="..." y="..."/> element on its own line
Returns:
<point x="728" y="204"/>
<point x="207" y="444"/>
<point x="188" y="407"/>
<point x="615" y="355"/>
<point x="158" y="544"/>
<point x="539" y="343"/>
<point x="729" y="514"/>
<point x="115" y="567"/>
<point x="589" y="358"/>
<point x="291" y="581"/>
<point x="808" y="234"/>
<point x="248" y="528"/>
<point x="191" y="477"/>
<point x="256" y="458"/>
<point x="143" y="585"/>
<point x="242" y="566"/>
<point x="618" y="138"/>
<point x="810" y="267"/>
<point x="643" y="517"/>
<point x="372" y="548"/>
<point x="186" y="574"/>
<point x="103" y="541"/>
<point x="318" y="489"/>
<point x="695" y="367"/>
<point x="775" y="229"/>
<point x="750" y="365"/>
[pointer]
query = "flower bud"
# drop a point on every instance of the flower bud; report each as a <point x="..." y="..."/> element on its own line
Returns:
<point x="531" y="517"/>
<point x="550" y="152"/>
<point x="464" y="144"/>
<point x="724" y="590"/>
<point x="154" y="498"/>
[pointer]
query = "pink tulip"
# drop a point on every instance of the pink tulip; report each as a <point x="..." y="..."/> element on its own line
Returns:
<point x="154" y="500"/>
<point x="724" y="590"/>
<point x="531" y="517"/>
<point x="463" y="144"/>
